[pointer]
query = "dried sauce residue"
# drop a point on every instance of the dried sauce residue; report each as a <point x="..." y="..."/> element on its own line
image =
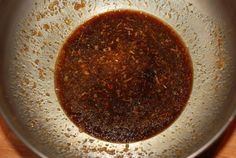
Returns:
<point x="220" y="62"/>
<point x="123" y="76"/>
<point x="78" y="6"/>
<point x="46" y="27"/>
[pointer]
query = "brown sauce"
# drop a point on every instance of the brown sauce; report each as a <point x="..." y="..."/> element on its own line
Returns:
<point x="123" y="76"/>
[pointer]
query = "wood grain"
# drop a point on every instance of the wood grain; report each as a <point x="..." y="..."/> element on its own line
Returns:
<point x="228" y="143"/>
<point x="12" y="147"/>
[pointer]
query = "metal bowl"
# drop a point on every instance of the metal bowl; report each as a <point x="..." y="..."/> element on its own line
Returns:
<point x="31" y="35"/>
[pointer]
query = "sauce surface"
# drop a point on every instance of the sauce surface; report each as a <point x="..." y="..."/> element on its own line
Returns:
<point x="123" y="76"/>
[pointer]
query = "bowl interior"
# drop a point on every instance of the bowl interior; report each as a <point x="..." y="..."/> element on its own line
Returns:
<point x="38" y="30"/>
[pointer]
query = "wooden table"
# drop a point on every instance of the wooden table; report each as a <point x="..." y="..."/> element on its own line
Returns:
<point x="11" y="147"/>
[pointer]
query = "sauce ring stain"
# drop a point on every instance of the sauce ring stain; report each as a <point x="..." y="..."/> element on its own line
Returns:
<point x="123" y="76"/>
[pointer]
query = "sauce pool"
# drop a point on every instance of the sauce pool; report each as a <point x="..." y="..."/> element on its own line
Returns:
<point x="123" y="76"/>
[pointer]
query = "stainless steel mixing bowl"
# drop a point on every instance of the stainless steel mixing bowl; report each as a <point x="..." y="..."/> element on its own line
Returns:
<point x="31" y="35"/>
